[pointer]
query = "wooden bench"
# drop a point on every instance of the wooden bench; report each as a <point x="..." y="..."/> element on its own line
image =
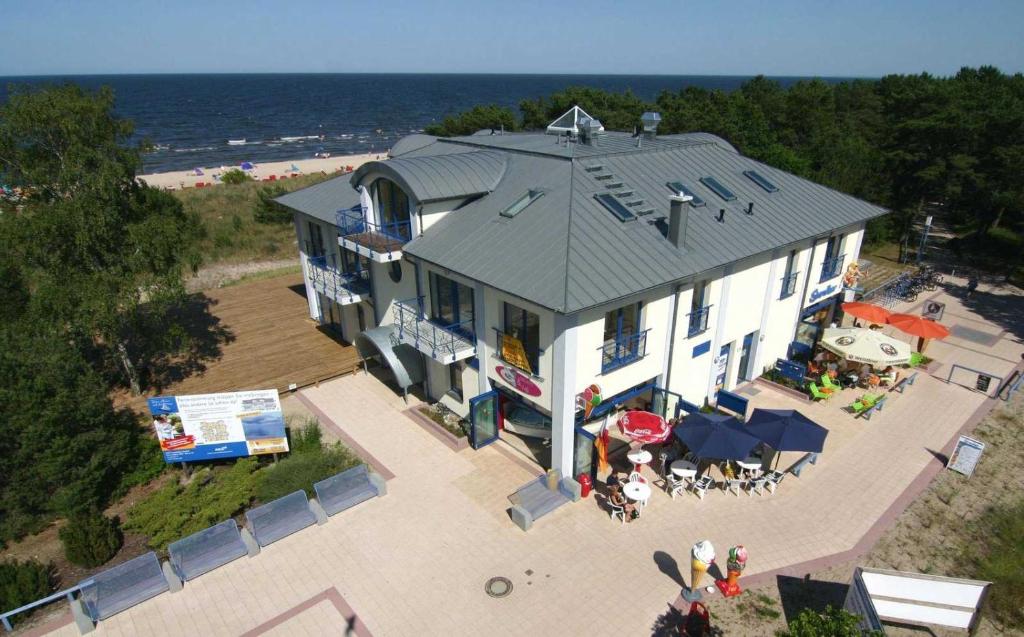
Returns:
<point x="810" y="458"/>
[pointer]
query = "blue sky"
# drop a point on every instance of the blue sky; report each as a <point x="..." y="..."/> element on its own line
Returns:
<point x="729" y="37"/>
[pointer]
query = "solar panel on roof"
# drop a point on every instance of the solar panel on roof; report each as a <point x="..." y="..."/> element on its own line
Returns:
<point x="760" y="181"/>
<point x="615" y="206"/>
<point x="718" y="188"/>
<point x="696" y="200"/>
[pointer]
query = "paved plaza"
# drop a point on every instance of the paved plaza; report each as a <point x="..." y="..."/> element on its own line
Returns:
<point x="415" y="561"/>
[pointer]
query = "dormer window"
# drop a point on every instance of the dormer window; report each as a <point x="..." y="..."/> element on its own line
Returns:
<point x="393" y="209"/>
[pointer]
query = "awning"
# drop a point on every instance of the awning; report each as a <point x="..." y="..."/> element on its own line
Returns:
<point x="404" y="360"/>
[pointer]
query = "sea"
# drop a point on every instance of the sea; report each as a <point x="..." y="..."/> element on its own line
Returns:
<point x="224" y="119"/>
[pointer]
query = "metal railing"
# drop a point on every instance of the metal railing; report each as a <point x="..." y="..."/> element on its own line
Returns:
<point x="982" y="380"/>
<point x="442" y="339"/>
<point x="699" y="320"/>
<point x="324" y="272"/>
<point x="830" y="268"/>
<point x="69" y="593"/>
<point x="623" y="351"/>
<point x="788" y="286"/>
<point x="353" y="221"/>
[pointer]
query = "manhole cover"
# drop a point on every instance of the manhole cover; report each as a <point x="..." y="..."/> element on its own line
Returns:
<point x="498" y="586"/>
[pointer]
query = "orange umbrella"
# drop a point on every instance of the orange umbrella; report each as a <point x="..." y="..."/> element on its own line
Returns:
<point x="918" y="326"/>
<point x="866" y="311"/>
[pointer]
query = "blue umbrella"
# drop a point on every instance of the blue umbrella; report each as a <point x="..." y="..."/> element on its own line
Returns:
<point x="247" y="165"/>
<point x="787" y="430"/>
<point x="716" y="436"/>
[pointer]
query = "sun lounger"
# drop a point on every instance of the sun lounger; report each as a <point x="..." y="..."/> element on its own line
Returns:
<point x="817" y="393"/>
<point x="828" y="383"/>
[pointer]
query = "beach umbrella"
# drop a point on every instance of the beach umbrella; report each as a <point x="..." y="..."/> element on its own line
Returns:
<point x="866" y="311"/>
<point x="644" y="426"/>
<point x="866" y="346"/>
<point x="786" y="430"/>
<point x="716" y="436"/>
<point x="918" y="326"/>
<point x="246" y="165"/>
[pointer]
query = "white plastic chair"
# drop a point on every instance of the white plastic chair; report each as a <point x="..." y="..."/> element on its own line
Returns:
<point x="756" y="484"/>
<point x="773" y="479"/>
<point x="734" y="485"/>
<point x="701" y="486"/>
<point x="615" y="510"/>
<point x="636" y="477"/>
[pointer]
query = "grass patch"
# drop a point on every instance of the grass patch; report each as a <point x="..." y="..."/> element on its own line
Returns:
<point x="1000" y="560"/>
<point x="232" y="233"/>
<point x="446" y="419"/>
<point x="760" y="606"/>
<point x="264" y="274"/>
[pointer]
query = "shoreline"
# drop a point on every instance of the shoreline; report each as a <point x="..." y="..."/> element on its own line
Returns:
<point x="268" y="171"/>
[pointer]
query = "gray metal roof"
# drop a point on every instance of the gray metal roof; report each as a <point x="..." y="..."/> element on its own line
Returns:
<point x="566" y="252"/>
<point x="323" y="200"/>
<point x="410" y="143"/>
<point x="436" y="177"/>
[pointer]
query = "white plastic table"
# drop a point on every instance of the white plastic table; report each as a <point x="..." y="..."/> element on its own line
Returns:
<point x="750" y="464"/>
<point x="683" y="469"/>
<point x="637" y="491"/>
<point x="639" y="457"/>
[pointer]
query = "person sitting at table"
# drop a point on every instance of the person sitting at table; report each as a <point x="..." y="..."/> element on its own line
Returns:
<point x="613" y="481"/>
<point x="616" y="498"/>
<point x="888" y="376"/>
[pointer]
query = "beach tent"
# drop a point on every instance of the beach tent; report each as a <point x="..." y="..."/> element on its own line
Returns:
<point x="197" y="171"/>
<point x="246" y="165"/>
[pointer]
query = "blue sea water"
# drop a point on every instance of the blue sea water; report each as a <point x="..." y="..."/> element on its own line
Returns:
<point x="191" y="118"/>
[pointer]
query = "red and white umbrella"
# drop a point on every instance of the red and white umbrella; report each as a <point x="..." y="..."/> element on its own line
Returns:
<point x="645" y="427"/>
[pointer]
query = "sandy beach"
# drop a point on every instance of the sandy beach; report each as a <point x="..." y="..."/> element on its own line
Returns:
<point x="269" y="171"/>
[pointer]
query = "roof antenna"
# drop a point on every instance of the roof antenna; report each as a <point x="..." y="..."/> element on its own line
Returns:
<point x="750" y="208"/>
<point x="721" y="215"/>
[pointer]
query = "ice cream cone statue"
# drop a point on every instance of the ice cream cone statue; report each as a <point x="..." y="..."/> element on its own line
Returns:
<point x="737" y="562"/>
<point x="702" y="555"/>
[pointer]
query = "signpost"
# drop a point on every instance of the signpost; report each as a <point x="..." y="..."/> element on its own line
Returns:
<point x="966" y="455"/>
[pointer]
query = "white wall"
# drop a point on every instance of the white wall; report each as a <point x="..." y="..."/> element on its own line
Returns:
<point x="386" y="291"/>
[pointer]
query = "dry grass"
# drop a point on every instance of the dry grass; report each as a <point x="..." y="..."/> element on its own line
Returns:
<point x="232" y="235"/>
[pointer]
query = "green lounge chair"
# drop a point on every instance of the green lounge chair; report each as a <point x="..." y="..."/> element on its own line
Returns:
<point x="828" y="383"/>
<point x="863" y="403"/>
<point x="817" y="393"/>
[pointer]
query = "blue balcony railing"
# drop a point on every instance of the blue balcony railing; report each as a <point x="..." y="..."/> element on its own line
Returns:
<point x="830" y="268"/>
<point x="444" y="342"/>
<point x="327" y="278"/>
<point x="699" y="320"/>
<point x="353" y="222"/>
<point x="788" y="286"/>
<point x="623" y="351"/>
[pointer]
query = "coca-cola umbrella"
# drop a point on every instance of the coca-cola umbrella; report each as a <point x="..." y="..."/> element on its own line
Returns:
<point x="643" y="426"/>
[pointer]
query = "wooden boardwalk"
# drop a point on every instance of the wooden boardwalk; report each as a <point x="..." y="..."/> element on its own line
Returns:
<point x="265" y="340"/>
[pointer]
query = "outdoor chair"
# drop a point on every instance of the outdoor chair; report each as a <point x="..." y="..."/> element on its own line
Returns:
<point x="702" y="485"/>
<point x="772" y="480"/>
<point x="828" y="383"/>
<point x="636" y="477"/>
<point x="863" y="403"/>
<point x="676" y="486"/>
<point x="616" y="511"/>
<point x="817" y="393"/>
<point x="734" y="485"/>
<point x="756" y="484"/>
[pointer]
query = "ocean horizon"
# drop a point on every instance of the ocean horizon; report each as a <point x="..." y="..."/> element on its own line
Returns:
<point x="211" y="119"/>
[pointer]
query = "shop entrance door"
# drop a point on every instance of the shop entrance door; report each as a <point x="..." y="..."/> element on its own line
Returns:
<point x="722" y="367"/>
<point x="745" y="352"/>
<point x="483" y="419"/>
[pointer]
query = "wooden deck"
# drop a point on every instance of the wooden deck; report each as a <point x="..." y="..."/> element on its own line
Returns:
<point x="267" y="340"/>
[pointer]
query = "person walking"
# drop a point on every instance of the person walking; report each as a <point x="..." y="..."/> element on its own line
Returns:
<point x="972" y="284"/>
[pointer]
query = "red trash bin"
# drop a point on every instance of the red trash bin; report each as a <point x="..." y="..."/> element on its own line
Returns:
<point x="585" y="484"/>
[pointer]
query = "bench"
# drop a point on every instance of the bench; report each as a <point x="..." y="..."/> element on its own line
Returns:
<point x="810" y="458"/>
<point x="535" y="500"/>
<point x="348" y="488"/>
<point x="866" y="414"/>
<point x="904" y="383"/>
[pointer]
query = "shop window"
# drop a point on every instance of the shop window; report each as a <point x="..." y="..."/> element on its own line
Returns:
<point x="520" y="341"/>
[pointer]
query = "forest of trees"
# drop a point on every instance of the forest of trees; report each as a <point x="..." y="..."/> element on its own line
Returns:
<point x="907" y="142"/>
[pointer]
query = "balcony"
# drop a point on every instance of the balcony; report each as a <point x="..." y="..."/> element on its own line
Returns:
<point x="380" y="242"/>
<point x="444" y="343"/>
<point x="830" y="268"/>
<point x="699" y="321"/>
<point x="623" y="351"/>
<point x="788" y="286"/>
<point x="344" y="287"/>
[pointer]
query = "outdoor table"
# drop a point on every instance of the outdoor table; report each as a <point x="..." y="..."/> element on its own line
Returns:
<point x="639" y="457"/>
<point x="637" y="491"/>
<point x="683" y="469"/>
<point x="749" y="464"/>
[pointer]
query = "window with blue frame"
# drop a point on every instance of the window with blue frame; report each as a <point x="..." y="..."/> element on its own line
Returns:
<point x="455" y="380"/>
<point x="451" y="303"/>
<point x="623" y="340"/>
<point x="833" y="262"/>
<point x="525" y="326"/>
<point x="699" y="310"/>
<point x="393" y="210"/>
<point x="316" y="240"/>
<point x="789" y="279"/>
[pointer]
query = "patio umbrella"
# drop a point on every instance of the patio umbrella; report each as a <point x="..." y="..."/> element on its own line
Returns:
<point x="918" y="326"/>
<point x="643" y="426"/>
<point x="786" y="430"/>
<point x="866" y="346"/>
<point x="716" y="436"/>
<point x="246" y="165"/>
<point x="866" y="311"/>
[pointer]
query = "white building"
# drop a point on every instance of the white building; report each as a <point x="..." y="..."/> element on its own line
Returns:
<point x="524" y="268"/>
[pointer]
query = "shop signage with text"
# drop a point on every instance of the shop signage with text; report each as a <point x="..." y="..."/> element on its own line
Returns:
<point x="520" y="381"/>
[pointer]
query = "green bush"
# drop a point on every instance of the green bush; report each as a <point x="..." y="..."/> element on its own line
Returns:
<point x="269" y="211"/>
<point x="305" y="438"/>
<point x="148" y="464"/>
<point x="834" y="622"/>
<point x="1000" y="560"/>
<point x="234" y="177"/>
<point x="211" y="496"/>
<point x="24" y="582"/>
<point x="309" y="461"/>
<point x="91" y="539"/>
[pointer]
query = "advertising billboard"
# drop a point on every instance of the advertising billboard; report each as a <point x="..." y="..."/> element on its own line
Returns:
<point x="212" y="426"/>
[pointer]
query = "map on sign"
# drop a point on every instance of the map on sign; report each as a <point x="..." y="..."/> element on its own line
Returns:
<point x="966" y="455"/>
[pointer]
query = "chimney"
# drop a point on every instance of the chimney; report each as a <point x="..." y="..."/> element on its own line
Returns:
<point x="677" y="220"/>
<point x="721" y="215"/>
<point x="750" y="208"/>
<point x="650" y="120"/>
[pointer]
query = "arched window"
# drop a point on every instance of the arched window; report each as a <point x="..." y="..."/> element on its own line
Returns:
<point x="393" y="209"/>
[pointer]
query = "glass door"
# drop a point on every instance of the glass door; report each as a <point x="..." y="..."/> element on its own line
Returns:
<point x="584" y="458"/>
<point x="745" y="352"/>
<point x="483" y="419"/>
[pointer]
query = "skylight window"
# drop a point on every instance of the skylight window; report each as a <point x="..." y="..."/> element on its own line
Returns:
<point x="718" y="188"/>
<point x="612" y="203"/>
<point x="696" y="202"/>
<point x="520" y="204"/>
<point x="760" y="181"/>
